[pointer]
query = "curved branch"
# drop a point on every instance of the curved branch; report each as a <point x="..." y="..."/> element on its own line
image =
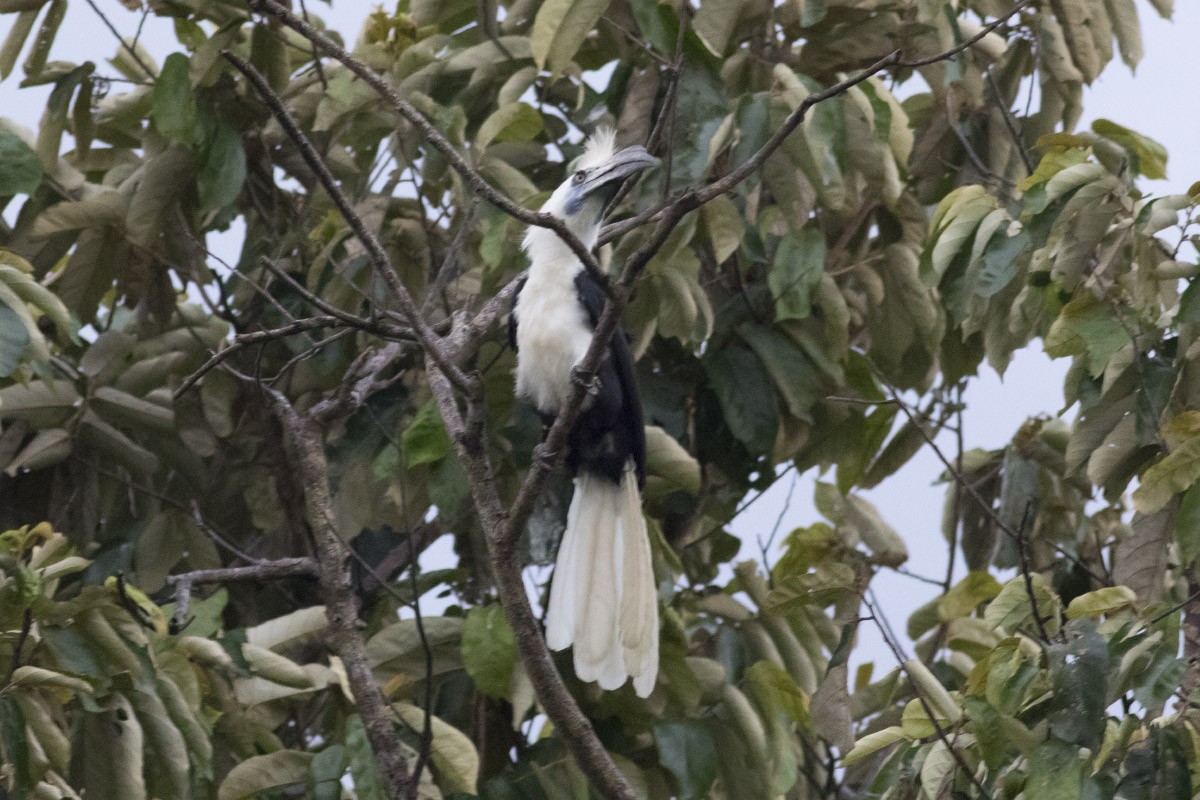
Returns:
<point x="560" y="706"/>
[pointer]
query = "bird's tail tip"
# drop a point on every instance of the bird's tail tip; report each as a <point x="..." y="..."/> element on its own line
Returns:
<point x="603" y="599"/>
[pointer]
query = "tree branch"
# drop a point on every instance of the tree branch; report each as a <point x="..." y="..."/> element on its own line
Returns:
<point x="258" y="571"/>
<point x="306" y="448"/>
<point x="429" y="340"/>
<point x="499" y="535"/>
<point x="953" y="51"/>
<point x="961" y="481"/>
<point x="405" y="109"/>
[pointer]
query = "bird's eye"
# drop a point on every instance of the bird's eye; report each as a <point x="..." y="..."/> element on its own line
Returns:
<point x="580" y="176"/>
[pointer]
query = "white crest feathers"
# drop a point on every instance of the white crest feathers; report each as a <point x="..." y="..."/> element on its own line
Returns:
<point x="599" y="148"/>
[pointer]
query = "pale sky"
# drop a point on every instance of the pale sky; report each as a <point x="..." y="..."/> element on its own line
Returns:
<point x="1158" y="101"/>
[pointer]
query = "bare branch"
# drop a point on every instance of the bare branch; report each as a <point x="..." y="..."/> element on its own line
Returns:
<point x="258" y="571"/>
<point x="961" y="480"/>
<point x="468" y="439"/>
<point x="370" y="326"/>
<point x="306" y="449"/>
<point x="244" y="340"/>
<point x="892" y="645"/>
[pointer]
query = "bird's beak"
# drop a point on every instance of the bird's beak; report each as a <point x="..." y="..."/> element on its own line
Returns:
<point x="621" y="165"/>
<point x="607" y="177"/>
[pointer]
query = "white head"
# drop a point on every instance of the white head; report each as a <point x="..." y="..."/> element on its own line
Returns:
<point x="584" y="198"/>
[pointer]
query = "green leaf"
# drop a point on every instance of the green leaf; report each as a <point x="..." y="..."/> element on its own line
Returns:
<point x="1012" y="607"/>
<point x="1087" y="326"/>
<point x="223" y="171"/>
<point x="268" y="773"/>
<point x="489" y="650"/>
<point x="792" y="374"/>
<point x="872" y="743"/>
<point x="559" y="30"/>
<point x="452" y="751"/>
<point x="327" y="768"/>
<point x="1079" y="669"/>
<point x="368" y="785"/>
<point x="1174" y="474"/>
<point x="961" y="601"/>
<point x="1189" y="303"/>
<point x="820" y="587"/>
<point x="669" y="467"/>
<point x="398" y="647"/>
<point x="686" y="750"/>
<point x="743" y="388"/>
<point x="774" y="687"/>
<point x="173" y="108"/>
<point x="37" y="676"/>
<point x="796" y="272"/>
<point x="1055" y="772"/>
<point x="14" y="341"/>
<point x="20" y="169"/>
<point x="1187" y="526"/>
<point x="872" y="529"/>
<point x="1148" y="156"/>
<point x="516" y="122"/>
<point x="425" y="439"/>
<point x="289" y="629"/>
<point x="1097" y="603"/>
<point x="723" y="223"/>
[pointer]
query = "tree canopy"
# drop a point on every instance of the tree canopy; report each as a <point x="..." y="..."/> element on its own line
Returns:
<point x="217" y="477"/>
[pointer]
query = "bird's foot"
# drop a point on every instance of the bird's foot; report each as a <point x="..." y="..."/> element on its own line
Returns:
<point x="544" y="455"/>
<point x="590" y="383"/>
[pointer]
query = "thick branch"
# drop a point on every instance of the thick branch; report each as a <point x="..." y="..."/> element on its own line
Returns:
<point x="469" y="438"/>
<point x="306" y="450"/>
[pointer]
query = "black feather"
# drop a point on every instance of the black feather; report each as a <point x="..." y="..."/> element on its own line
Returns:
<point x="609" y="431"/>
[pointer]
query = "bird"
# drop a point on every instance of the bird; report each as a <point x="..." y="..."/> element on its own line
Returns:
<point x="603" y="599"/>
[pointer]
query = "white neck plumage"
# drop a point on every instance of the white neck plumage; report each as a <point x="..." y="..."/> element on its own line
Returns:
<point x="550" y="257"/>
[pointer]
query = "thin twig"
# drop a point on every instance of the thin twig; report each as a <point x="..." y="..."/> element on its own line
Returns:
<point x="121" y="40"/>
<point x="1026" y="574"/>
<point x="457" y="162"/>
<point x="259" y="571"/>
<point x="429" y="340"/>
<point x="984" y="31"/>
<point x="19" y="644"/>
<point x="1011" y="124"/>
<point x="984" y="505"/>
<point x="956" y="509"/>
<point x="929" y="712"/>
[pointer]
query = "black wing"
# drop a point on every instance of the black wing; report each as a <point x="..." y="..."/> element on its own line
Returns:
<point x="628" y="426"/>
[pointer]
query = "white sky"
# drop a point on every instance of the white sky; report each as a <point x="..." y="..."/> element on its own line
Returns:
<point x="1158" y="101"/>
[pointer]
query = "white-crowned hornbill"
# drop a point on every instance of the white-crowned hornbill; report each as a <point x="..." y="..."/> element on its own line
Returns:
<point x="603" y="599"/>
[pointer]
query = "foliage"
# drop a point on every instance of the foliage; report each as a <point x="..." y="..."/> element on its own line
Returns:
<point x="889" y="248"/>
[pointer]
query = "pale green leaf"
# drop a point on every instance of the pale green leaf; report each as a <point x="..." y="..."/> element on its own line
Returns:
<point x="268" y="773"/>
<point x="559" y="30"/>
<point x="1101" y="601"/>
<point x="872" y="743"/>
<point x="454" y="755"/>
<point x="20" y="169"/>
<point x="489" y="650"/>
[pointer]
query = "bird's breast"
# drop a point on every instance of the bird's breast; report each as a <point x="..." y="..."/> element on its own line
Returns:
<point x="553" y="334"/>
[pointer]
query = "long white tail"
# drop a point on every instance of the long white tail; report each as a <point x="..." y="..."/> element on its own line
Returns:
<point x="603" y="598"/>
